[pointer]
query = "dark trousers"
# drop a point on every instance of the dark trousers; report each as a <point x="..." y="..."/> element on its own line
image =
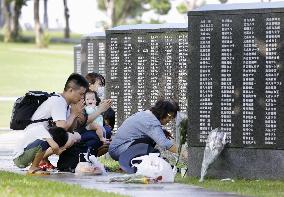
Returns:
<point x="91" y="139"/>
<point x="43" y="144"/>
<point x="139" y="147"/>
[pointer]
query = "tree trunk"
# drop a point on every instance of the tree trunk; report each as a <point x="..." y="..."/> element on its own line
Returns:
<point x="17" y="7"/>
<point x="7" y="20"/>
<point x="1" y="14"/>
<point x="38" y="29"/>
<point x="110" y="11"/>
<point x="45" y="15"/>
<point x="66" y="14"/>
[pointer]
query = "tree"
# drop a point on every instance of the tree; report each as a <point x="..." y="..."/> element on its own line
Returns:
<point x="17" y="10"/>
<point x="6" y="8"/>
<point x="188" y="5"/>
<point x="119" y="11"/>
<point x="12" y="11"/>
<point x="66" y="15"/>
<point x="37" y="27"/>
<point x="1" y="14"/>
<point x="45" y="15"/>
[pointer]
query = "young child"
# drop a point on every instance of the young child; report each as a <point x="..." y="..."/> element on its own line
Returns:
<point x="91" y="101"/>
<point x="35" y="147"/>
<point x="109" y="122"/>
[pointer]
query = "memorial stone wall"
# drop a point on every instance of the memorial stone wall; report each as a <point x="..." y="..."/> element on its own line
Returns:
<point x="236" y="76"/>
<point x="93" y="54"/>
<point x="146" y="62"/>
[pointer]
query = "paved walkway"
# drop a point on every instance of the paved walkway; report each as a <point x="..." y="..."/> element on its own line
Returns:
<point x="7" y="144"/>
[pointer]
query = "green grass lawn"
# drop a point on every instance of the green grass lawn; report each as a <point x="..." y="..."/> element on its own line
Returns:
<point x="24" y="67"/>
<point x="5" y="113"/>
<point x="259" y="188"/>
<point x="52" y="34"/>
<point x="19" y="185"/>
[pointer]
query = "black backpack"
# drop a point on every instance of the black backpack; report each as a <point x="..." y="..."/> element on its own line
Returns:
<point x="25" y="107"/>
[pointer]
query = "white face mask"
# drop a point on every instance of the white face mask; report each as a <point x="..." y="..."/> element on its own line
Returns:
<point x="101" y="92"/>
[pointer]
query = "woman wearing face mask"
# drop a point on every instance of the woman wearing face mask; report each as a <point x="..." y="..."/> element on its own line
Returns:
<point x="96" y="83"/>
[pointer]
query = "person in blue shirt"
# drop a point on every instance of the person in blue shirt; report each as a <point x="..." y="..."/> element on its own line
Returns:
<point x="139" y="134"/>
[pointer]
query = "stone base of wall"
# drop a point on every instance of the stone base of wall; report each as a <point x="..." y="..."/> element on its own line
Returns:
<point x="239" y="163"/>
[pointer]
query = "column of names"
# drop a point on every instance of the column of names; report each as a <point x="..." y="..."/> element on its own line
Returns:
<point x="227" y="88"/>
<point x="250" y="65"/>
<point x="127" y="89"/>
<point x="182" y="72"/>
<point x="205" y="76"/>
<point x="271" y="74"/>
<point x="141" y="72"/>
<point x="154" y="58"/>
<point x="90" y="56"/>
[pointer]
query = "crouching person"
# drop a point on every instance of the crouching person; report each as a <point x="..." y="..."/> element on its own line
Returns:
<point x="36" y="145"/>
<point x="139" y="134"/>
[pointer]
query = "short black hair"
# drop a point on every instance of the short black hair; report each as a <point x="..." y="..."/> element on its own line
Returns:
<point x="93" y="77"/>
<point x="96" y="96"/>
<point x="109" y="115"/>
<point x="59" y="135"/>
<point x="163" y="107"/>
<point x="76" y="80"/>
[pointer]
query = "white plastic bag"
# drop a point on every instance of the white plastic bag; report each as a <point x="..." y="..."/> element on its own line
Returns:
<point x="154" y="166"/>
<point x="91" y="167"/>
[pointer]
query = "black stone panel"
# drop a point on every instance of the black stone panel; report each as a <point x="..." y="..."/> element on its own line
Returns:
<point x="93" y="54"/>
<point x="236" y="75"/>
<point x="240" y="163"/>
<point x="77" y="58"/>
<point x="145" y="64"/>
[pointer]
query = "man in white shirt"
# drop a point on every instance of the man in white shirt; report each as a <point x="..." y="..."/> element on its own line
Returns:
<point x="64" y="109"/>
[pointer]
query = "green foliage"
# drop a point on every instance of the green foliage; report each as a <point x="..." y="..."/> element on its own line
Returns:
<point x="101" y="5"/>
<point x="131" y="9"/>
<point x="155" y="21"/>
<point x="183" y="130"/>
<point x="160" y="6"/>
<point x="20" y="3"/>
<point x="223" y="1"/>
<point x="110" y="164"/>
<point x="182" y="8"/>
<point x="260" y="188"/>
<point x="14" y="185"/>
<point x="46" y="39"/>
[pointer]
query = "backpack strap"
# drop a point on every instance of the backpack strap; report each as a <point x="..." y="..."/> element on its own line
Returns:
<point x="40" y="120"/>
<point x="45" y="119"/>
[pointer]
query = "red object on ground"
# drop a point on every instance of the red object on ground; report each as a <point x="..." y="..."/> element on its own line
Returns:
<point x="46" y="166"/>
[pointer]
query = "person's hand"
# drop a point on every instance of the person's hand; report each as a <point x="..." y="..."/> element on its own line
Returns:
<point x="77" y="137"/>
<point x="61" y="150"/>
<point x="71" y="140"/>
<point x="77" y="108"/>
<point x="104" y="140"/>
<point x="104" y="105"/>
<point x="81" y="118"/>
<point x="168" y="134"/>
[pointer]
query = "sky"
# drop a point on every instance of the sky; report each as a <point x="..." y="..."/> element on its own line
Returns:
<point x="85" y="18"/>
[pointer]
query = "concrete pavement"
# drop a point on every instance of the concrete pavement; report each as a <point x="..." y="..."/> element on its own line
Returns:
<point x="9" y="139"/>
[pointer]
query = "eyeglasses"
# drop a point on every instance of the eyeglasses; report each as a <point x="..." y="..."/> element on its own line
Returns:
<point x="170" y="116"/>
